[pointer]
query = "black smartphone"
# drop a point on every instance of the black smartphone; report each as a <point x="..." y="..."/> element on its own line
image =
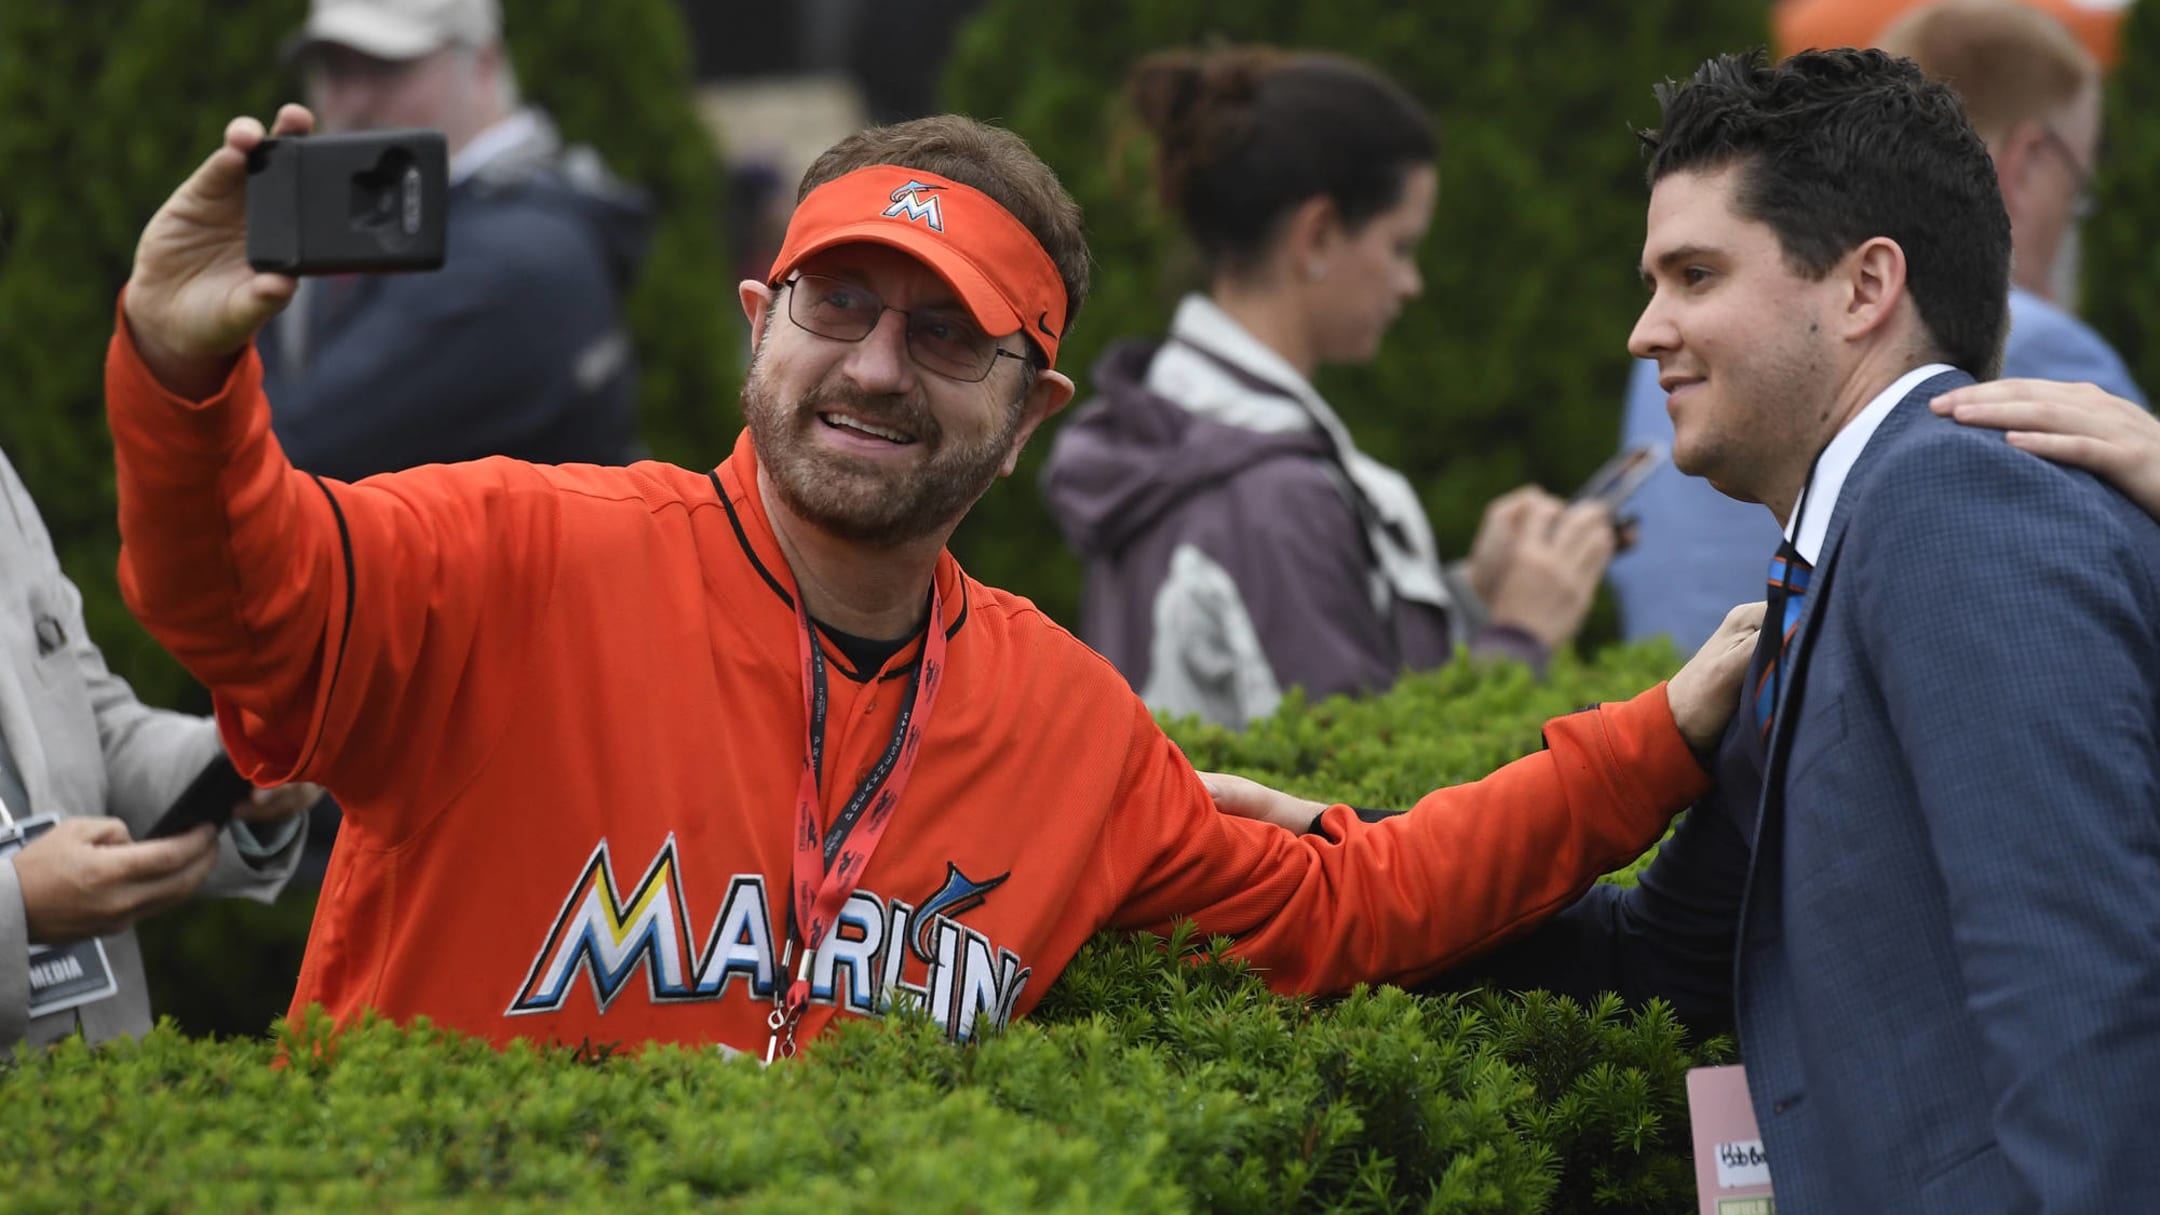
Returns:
<point x="371" y="202"/>
<point x="1617" y="479"/>
<point x="209" y="798"/>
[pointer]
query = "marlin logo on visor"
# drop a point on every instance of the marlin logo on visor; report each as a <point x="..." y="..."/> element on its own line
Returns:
<point x="909" y="204"/>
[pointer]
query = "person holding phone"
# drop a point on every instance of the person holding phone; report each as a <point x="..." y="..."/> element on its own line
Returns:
<point x="86" y="771"/>
<point x="802" y="715"/>
<point x="1238" y="542"/>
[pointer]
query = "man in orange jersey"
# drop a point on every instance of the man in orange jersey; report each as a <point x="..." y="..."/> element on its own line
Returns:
<point x="653" y="754"/>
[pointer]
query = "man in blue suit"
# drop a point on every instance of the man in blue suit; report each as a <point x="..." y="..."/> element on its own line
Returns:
<point x="2033" y="93"/>
<point x="1927" y="890"/>
<point x="1946" y="976"/>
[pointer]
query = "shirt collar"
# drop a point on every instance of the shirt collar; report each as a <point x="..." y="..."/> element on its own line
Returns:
<point x="1818" y="501"/>
<point x="1203" y="322"/>
<point x="505" y="134"/>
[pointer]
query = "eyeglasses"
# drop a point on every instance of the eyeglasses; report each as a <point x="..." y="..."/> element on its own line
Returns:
<point x="2083" y="202"/>
<point x="944" y="340"/>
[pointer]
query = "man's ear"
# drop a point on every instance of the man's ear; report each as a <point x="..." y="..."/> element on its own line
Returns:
<point x="1051" y="391"/>
<point x="1874" y="276"/>
<point x="757" y="302"/>
<point x="2015" y="154"/>
<point x="489" y="59"/>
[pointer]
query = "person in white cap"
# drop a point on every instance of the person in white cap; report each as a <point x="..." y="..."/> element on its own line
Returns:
<point x="517" y="346"/>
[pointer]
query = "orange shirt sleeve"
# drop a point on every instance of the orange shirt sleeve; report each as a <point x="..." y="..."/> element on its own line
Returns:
<point x="1402" y="899"/>
<point x="335" y="624"/>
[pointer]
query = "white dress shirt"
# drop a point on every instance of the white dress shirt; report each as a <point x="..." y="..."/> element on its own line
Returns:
<point x="1818" y="499"/>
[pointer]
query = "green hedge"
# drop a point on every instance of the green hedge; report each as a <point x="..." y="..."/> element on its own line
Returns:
<point x="1512" y="366"/>
<point x="105" y="105"/>
<point x="2121" y="262"/>
<point x="1157" y="1080"/>
<point x="1143" y="1082"/>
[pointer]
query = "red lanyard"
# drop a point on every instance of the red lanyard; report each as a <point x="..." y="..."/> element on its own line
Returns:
<point x="827" y="869"/>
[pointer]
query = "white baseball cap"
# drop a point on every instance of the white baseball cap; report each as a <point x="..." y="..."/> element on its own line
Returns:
<point x="399" y="29"/>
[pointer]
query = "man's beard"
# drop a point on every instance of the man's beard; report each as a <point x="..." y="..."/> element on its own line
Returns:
<point x="862" y="500"/>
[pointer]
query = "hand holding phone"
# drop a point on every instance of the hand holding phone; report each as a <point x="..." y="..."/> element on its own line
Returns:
<point x="1619" y="478"/>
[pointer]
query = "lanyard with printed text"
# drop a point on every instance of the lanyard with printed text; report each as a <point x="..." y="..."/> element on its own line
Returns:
<point x="827" y="869"/>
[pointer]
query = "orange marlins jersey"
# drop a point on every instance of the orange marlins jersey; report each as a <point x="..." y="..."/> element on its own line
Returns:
<point x="562" y="709"/>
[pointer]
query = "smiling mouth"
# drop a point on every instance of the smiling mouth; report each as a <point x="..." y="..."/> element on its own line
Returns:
<point x="841" y="421"/>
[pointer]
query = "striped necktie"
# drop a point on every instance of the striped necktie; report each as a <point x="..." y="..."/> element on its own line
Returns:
<point x="1789" y="573"/>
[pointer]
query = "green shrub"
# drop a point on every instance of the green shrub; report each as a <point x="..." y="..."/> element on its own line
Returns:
<point x="1512" y="366"/>
<point x="1179" y="1083"/>
<point x="2121" y="263"/>
<point x="110" y="103"/>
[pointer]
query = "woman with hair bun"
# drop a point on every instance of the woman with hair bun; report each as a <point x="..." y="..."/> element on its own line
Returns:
<point x="1238" y="542"/>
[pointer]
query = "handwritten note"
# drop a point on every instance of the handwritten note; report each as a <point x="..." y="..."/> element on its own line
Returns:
<point x="1742" y="1164"/>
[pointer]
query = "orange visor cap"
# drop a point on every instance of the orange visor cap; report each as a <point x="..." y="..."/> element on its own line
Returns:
<point x="1001" y="273"/>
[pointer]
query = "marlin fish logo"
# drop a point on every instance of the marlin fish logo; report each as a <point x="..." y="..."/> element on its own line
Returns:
<point x="961" y="894"/>
<point x="909" y="203"/>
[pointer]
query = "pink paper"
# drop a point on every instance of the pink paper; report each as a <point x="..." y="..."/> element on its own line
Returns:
<point x="1732" y="1175"/>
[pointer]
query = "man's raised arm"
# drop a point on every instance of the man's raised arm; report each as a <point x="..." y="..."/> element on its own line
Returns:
<point x="324" y="617"/>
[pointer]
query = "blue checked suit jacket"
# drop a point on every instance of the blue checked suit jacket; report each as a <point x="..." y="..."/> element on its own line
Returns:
<point x="1931" y="905"/>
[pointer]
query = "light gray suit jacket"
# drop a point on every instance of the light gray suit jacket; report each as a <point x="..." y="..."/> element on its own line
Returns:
<point x="84" y="745"/>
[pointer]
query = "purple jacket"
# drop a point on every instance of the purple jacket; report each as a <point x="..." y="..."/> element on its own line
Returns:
<point x="1226" y="565"/>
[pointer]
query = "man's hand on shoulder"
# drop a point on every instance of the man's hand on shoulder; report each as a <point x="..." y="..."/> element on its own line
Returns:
<point x="1705" y="693"/>
<point x="2076" y="424"/>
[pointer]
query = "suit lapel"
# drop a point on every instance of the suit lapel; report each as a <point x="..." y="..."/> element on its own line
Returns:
<point x="1770" y="804"/>
<point x="18" y="722"/>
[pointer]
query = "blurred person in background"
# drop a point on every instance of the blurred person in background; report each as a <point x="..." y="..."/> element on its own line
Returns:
<point x="1238" y="543"/>
<point x="2032" y="90"/>
<point x="85" y="770"/>
<point x="1796" y="25"/>
<point x="516" y="347"/>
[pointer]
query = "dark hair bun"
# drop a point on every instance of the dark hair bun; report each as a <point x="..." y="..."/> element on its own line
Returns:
<point x="1197" y="105"/>
<point x="1245" y="134"/>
